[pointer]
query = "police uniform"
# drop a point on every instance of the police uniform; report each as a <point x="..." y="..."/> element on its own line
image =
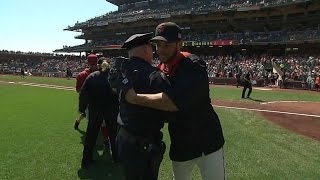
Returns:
<point x="139" y="140"/>
<point x="95" y="94"/>
<point x="246" y="85"/>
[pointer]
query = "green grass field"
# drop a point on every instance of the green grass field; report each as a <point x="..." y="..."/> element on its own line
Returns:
<point x="38" y="140"/>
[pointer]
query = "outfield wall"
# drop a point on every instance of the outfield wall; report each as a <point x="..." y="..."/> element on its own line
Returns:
<point x="290" y="84"/>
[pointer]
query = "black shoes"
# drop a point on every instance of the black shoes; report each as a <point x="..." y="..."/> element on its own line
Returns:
<point x="85" y="164"/>
<point x="76" y="125"/>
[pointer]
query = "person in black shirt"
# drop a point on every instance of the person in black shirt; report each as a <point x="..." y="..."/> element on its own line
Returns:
<point x="238" y="78"/>
<point x="96" y="95"/>
<point x="22" y="73"/>
<point x="247" y="84"/>
<point x="139" y="140"/>
<point x="69" y="73"/>
<point x="188" y="98"/>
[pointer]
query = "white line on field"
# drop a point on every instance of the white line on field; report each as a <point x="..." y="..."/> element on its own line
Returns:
<point x="263" y="110"/>
<point x="51" y="87"/>
<point x="228" y="107"/>
<point x="42" y="85"/>
<point x="262" y="89"/>
<point x="45" y="85"/>
<point x="271" y="102"/>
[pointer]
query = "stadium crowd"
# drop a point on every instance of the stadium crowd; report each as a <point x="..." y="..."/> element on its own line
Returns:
<point x="297" y="67"/>
<point x="132" y="13"/>
<point x="38" y="63"/>
<point x="284" y="36"/>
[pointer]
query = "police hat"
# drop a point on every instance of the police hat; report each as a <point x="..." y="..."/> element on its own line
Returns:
<point x="137" y="40"/>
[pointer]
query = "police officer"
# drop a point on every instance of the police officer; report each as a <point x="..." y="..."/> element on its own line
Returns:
<point x="95" y="95"/>
<point x="139" y="140"/>
<point x="246" y="84"/>
<point x="195" y="118"/>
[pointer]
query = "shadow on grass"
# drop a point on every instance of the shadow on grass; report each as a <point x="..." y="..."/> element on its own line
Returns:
<point x="103" y="166"/>
<point x="256" y="100"/>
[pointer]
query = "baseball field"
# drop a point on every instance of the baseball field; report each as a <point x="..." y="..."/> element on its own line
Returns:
<point x="274" y="135"/>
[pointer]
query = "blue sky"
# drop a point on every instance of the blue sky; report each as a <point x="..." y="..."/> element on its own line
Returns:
<point x="37" y="25"/>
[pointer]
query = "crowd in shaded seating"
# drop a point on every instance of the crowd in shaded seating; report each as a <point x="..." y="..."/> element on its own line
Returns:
<point x="133" y="13"/>
<point x="284" y="36"/>
<point x="247" y="37"/>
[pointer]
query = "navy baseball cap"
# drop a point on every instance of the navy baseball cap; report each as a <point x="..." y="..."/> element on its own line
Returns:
<point x="137" y="40"/>
<point x="168" y="31"/>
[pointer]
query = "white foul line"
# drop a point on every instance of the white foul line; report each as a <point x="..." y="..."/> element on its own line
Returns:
<point x="271" y="102"/>
<point x="228" y="107"/>
<point x="50" y="87"/>
<point x="42" y="85"/>
<point x="263" y="110"/>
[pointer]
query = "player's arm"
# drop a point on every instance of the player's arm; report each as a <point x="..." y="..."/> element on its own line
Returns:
<point x="159" y="101"/>
<point x="79" y="82"/>
<point x="182" y="97"/>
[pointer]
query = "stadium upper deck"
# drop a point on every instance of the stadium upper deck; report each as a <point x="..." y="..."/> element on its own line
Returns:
<point x="204" y="22"/>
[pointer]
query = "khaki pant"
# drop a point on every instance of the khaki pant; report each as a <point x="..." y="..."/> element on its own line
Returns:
<point x="212" y="167"/>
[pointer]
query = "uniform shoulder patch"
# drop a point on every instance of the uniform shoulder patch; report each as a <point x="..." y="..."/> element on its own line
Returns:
<point x="197" y="62"/>
<point x="157" y="75"/>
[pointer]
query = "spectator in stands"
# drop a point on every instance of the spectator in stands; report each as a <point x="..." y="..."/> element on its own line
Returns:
<point x="309" y="82"/>
<point x="317" y="82"/>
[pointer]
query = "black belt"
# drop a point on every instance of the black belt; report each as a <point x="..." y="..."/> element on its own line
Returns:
<point x="145" y="144"/>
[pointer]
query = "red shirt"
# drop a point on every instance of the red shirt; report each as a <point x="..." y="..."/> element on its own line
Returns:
<point x="81" y="78"/>
<point x="170" y="67"/>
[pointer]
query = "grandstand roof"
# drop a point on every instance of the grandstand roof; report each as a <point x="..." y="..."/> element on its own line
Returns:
<point x="120" y="2"/>
<point x="84" y="49"/>
<point x="110" y="30"/>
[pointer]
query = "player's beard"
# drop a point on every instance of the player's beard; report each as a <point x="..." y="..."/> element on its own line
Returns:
<point x="169" y="58"/>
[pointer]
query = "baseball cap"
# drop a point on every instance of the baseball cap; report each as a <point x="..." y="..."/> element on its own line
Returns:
<point x="92" y="59"/>
<point x="168" y="31"/>
<point x="137" y="40"/>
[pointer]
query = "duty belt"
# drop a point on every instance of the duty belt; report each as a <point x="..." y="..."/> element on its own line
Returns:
<point x="144" y="144"/>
